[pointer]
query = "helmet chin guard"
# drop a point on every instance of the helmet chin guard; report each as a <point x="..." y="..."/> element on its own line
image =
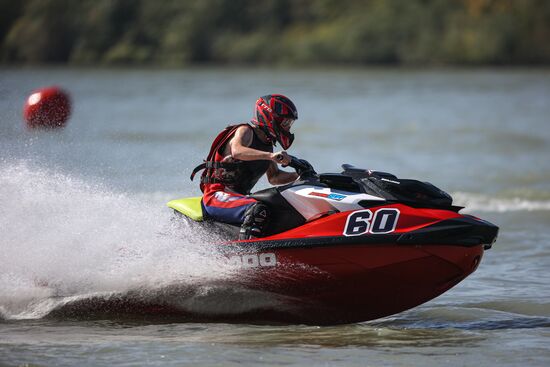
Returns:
<point x="285" y="138"/>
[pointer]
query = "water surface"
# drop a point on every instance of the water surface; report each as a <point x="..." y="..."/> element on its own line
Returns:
<point x="82" y="210"/>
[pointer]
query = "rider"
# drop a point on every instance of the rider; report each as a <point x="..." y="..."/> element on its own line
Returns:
<point x="239" y="156"/>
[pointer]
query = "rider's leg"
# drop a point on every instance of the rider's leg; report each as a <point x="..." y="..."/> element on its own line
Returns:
<point x="226" y="206"/>
<point x="255" y="221"/>
<point x="230" y="207"/>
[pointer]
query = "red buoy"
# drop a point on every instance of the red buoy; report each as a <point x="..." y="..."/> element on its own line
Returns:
<point x="47" y="107"/>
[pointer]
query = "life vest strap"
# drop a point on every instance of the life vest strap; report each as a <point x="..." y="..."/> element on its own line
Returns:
<point x="213" y="164"/>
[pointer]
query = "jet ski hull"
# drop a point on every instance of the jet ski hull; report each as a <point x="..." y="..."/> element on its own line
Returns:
<point x="352" y="283"/>
<point x="336" y="279"/>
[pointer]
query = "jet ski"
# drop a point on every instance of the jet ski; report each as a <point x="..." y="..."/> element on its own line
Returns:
<point x="349" y="247"/>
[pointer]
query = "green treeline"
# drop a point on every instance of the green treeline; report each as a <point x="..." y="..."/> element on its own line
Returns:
<point x="275" y="32"/>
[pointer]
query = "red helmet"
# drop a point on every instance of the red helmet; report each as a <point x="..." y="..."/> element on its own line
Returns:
<point x="275" y="114"/>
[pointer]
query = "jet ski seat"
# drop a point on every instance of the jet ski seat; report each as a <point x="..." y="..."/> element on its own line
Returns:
<point x="190" y="207"/>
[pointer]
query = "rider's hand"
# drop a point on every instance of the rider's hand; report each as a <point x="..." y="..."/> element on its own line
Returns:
<point x="281" y="158"/>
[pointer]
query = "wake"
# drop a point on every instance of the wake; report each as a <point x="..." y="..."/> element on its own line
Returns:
<point x="65" y="240"/>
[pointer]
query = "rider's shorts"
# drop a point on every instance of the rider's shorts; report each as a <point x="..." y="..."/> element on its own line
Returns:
<point x="224" y="205"/>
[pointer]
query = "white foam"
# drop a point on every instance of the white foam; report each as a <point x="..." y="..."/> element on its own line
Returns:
<point x="62" y="236"/>
<point x="483" y="203"/>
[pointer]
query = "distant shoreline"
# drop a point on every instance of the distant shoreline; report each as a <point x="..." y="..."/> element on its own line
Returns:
<point x="298" y="34"/>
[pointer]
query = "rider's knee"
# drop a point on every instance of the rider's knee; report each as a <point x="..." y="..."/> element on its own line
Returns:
<point x="256" y="219"/>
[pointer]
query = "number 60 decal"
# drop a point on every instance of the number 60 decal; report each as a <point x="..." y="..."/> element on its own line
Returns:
<point x="364" y="221"/>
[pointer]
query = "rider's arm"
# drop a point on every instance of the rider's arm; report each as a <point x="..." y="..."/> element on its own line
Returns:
<point x="240" y="149"/>
<point x="277" y="177"/>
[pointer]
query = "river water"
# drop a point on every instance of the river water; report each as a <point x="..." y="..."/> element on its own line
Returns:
<point x="82" y="211"/>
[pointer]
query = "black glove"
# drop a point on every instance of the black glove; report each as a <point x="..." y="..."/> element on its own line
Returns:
<point x="304" y="168"/>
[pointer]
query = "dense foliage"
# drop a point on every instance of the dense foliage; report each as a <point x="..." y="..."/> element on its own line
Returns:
<point x="288" y="32"/>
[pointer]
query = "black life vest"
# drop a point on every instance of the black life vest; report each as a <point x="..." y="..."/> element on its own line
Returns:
<point x="240" y="176"/>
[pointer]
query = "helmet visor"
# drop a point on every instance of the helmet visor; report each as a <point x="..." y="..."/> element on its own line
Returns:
<point x="286" y="123"/>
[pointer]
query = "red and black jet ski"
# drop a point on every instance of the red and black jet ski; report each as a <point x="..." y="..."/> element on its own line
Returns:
<point x="351" y="246"/>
